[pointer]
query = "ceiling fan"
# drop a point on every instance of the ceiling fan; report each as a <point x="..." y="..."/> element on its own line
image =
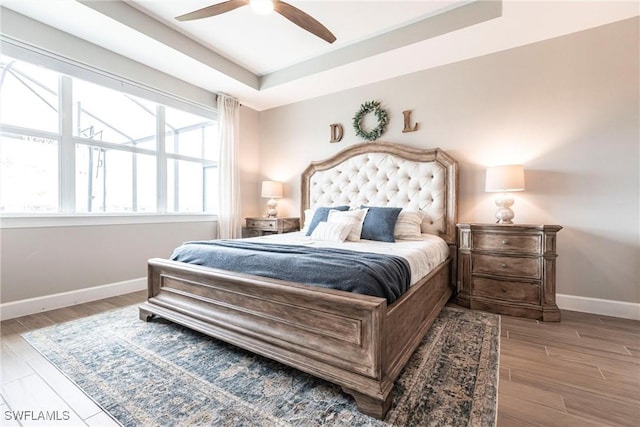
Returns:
<point x="290" y="12"/>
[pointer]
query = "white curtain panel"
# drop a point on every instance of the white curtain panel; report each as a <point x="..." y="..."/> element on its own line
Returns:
<point x="229" y="221"/>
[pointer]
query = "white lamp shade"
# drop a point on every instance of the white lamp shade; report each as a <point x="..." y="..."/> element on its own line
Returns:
<point x="505" y="178"/>
<point x="272" y="189"/>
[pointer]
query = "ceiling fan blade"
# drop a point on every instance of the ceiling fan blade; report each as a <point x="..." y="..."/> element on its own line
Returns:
<point x="213" y="10"/>
<point x="303" y="20"/>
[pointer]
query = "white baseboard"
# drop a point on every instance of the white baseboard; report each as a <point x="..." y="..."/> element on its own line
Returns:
<point x="10" y="310"/>
<point x="605" y="307"/>
<point x="25" y="307"/>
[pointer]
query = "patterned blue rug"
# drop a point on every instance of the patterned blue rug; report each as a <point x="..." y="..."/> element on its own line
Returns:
<point x="162" y="374"/>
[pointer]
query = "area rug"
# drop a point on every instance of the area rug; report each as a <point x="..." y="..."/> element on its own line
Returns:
<point x="161" y="374"/>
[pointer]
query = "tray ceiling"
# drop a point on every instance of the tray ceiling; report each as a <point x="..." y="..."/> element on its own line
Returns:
<point x="267" y="61"/>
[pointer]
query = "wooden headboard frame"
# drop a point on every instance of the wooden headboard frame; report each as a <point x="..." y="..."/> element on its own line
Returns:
<point x="373" y="186"/>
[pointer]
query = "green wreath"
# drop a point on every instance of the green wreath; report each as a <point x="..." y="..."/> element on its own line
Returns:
<point x="366" y="108"/>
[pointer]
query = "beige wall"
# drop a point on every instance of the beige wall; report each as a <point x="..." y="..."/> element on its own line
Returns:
<point x="567" y="109"/>
<point x="45" y="261"/>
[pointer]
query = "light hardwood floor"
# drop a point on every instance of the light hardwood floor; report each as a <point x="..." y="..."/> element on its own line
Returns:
<point x="583" y="371"/>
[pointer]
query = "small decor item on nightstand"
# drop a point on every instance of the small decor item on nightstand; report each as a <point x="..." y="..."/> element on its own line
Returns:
<point x="504" y="179"/>
<point x="272" y="190"/>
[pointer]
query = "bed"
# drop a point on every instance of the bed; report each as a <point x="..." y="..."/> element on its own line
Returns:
<point x="359" y="342"/>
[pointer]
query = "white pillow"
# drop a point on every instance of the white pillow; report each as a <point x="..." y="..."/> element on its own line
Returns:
<point x="334" y="232"/>
<point x="308" y="216"/>
<point x="408" y="225"/>
<point x="353" y="217"/>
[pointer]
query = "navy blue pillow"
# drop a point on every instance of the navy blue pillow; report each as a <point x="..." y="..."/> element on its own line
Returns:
<point x="380" y="223"/>
<point x="321" y="215"/>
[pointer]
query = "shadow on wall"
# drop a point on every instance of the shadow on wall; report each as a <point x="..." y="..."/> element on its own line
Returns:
<point x="599" y="247"/>
<point x="596" y="265"/>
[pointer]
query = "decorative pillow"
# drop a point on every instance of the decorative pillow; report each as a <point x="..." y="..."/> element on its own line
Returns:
<point x="321" y="215"/>
<point x="379" y="223"/>
<point x="408" y="225"/>
<point x="354" y="217"/>
<point x="308" y="216"/>
<point x="334" y="232"/>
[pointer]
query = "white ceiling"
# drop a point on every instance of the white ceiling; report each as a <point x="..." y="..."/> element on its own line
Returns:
<point x="274" y="42"/>
<point x="267" y="61"/>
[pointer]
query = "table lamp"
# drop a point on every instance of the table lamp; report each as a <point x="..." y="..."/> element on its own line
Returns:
<point x="504" y="179"/>
<point x="272" y="190"/>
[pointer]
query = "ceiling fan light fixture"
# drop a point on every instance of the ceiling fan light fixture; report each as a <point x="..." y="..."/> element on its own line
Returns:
<point x="292" y="13"/>
<point x="261" y="7"/>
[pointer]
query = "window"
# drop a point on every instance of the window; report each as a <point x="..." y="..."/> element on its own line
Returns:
<point x="105" y="115"/>
<point x="115" y="181"/>
<point x="69" y="145"/>
<point x="28" y="173"/>
<point x="186" y="135"/>
<point x="29" y="96"/>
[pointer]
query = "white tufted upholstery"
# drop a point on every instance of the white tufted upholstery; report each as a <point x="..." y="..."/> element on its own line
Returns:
<point x="383" y="179"/>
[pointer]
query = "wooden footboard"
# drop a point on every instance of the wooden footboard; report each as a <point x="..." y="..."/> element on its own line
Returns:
<point x="352" y="340"/>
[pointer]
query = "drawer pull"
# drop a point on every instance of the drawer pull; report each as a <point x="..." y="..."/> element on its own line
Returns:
<point x="504" y="290"/>
<point x="505" y="243"/>
<point x="503" y="265"/>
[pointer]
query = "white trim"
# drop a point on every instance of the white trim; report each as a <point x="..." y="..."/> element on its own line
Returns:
<point x="605" y="307"/>
<point x="80" y="220"/>
<point x="25" y="307"/>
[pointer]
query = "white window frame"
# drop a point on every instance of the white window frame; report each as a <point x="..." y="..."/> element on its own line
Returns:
<point x="67" y="142"/>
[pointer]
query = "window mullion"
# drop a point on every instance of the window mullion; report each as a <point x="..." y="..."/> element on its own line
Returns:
<point x="176" y="175"/>
<point x="134" y="182"/>
<point x="66" y="149"/>
<point x="161" y="184"/>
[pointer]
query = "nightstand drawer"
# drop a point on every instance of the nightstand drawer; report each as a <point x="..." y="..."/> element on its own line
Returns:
<point x="506" y="290"/>
<point x="506" y="266"/>
<point x="530" y="244"/>
<point x="262" y="224"/>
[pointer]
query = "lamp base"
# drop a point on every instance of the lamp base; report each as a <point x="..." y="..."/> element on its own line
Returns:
<point x="504" y="214"/>
<point x="271" y="211"/>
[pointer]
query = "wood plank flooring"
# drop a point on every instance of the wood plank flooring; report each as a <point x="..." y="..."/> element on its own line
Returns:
<point x="583" y="371"/>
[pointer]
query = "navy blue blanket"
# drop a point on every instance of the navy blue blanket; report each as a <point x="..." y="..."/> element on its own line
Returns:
<point x="385" y="276"/>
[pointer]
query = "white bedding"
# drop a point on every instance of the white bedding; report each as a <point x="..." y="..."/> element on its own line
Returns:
<point x="422" y="255"/>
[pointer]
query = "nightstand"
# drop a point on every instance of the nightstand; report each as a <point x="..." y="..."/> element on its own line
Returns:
<point x="508" y="269"/>
<point x="261" y="226"/>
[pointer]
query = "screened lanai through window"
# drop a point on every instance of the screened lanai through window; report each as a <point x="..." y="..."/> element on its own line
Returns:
<point x="103" y="114"/>
<point x="121" y="164"/>
<point x="121" y="179"/>
<point x="29" y="139"/>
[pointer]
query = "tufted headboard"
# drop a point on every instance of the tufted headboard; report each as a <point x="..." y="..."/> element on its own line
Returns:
<point x="384" y="174"/>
